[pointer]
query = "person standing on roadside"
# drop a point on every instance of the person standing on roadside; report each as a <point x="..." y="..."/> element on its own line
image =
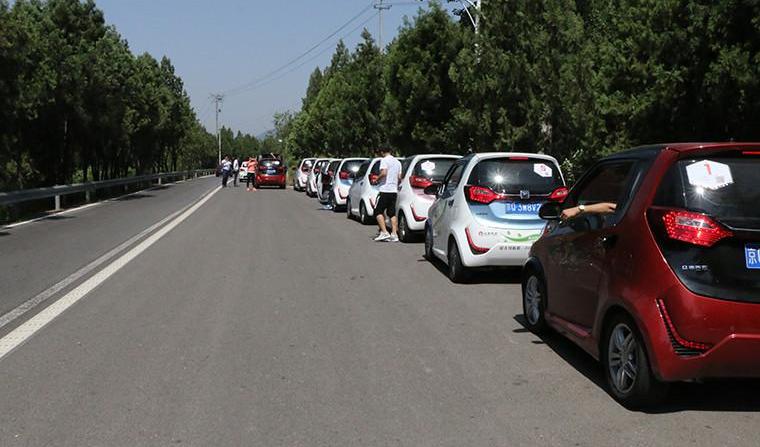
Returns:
<point x="250" y="178"/>
<point x="226" y="168"/>
<point x="390" y="175"/>
<point x="235" y="171"/>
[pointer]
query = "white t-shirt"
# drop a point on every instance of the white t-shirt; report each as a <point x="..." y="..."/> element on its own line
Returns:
<point x="226" y="165"/>
<point x="235" y="165"/>
<point x="393" y="166"/>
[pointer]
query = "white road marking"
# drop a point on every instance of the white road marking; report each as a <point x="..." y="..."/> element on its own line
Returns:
<point x="24" y="332"/>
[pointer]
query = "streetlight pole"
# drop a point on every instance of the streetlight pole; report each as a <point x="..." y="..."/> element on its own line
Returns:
<point x="217" y="98"/>
<point x="475" y="4"/>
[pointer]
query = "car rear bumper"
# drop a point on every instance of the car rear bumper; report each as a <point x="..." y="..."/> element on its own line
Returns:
<point x="265" y="180"/>
<point x="730" y="331"/>
<point x="341" y="194"/>
<point x="416" y="214"/>
<point x="501" y="255"/>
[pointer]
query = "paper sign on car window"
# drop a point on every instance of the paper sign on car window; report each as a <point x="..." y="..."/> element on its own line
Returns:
<point x="709" y="174"/>
<point x="543" y="170"/>
<point x="428" y="166"/>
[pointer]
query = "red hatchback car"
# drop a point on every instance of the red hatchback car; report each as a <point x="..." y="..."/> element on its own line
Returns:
<point x="272" y="172"/>
<point x="666" y="288"/>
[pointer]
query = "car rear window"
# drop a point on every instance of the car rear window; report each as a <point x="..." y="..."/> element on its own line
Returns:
<point x="434" y="169"/>
<point x="510" y="176"/>
<point x="724" y="187"/>
<point x="375" y="168"/>
<point x="351" y="166"/>
<point x="270" y="163"/>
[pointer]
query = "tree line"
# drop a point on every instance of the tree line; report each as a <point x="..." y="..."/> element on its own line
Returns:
<point x="576" y="79"/>
<point x="77" y="105"/>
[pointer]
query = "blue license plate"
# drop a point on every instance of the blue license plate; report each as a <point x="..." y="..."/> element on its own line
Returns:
<point x="271" y="172"/>
<point x="522" y="208"/>
<point x="752" y="256"/>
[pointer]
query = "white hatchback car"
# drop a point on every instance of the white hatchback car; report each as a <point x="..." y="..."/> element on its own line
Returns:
<point x="342" y="180"/>
<point x="486" y="211"/>
<point x="420" y="171"/>
<point x="302" y="173"/>
<point x="362" y="195"/>
<point x="311" y="181"/>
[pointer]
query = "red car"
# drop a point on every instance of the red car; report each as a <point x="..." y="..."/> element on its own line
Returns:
<point x="272" y="172"/>
<point x="667" y="287"/>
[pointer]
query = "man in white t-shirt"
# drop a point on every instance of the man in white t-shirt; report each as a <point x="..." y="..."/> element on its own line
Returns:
<point x="390" y="175"/>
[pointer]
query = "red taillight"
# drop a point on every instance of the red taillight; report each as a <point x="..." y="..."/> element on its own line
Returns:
<point x="519" y="158"/>
<point x="693" y="228"/>
<point x="416" y="216"/>
<point x="419" y="182"/>
<point x="373" y="178"/>
<point x="476" y="250"/>
<point x="482" y="194"/>
<point x="751" y="153"/>
<point x="344" y="175"/>
<point x="694" y="345"/>
<point x="559" y="194"/>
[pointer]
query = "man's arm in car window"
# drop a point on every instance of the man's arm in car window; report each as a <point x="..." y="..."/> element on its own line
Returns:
<point x="602" y="208"/>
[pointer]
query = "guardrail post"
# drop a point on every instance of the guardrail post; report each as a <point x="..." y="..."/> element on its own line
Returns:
<point x="57" y="203"/>
<point x="88" y="196"/>
<point x="159" y="181"/>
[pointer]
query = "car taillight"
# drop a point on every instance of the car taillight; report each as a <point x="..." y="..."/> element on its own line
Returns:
<point x="693" y="228"/>
<point x="419" y="182"/>
<point x="482" y="194"/>
<point x="373" y="178"/>
<point x="676" y="339"/>
<point x="559" y="194"/>
<point x="343" y="175"/>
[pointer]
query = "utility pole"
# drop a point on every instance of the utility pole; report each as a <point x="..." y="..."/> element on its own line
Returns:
<point x="217" y="98"/>
<point x="380" y="8"/>
<point x="465" y="9"/>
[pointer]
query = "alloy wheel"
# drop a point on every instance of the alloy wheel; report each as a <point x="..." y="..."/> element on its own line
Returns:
<point x="533" y="298"/>
<point x="623" y="361"/>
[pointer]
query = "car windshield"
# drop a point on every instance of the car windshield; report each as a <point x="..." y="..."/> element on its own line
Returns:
<point x="351" y="166"/>
<point x="306" y="164"/>
<point x="434" y="169"/>
<point x="333" y="166"/>
<point x="724" y="187"/>
<point x="511" y="176"/>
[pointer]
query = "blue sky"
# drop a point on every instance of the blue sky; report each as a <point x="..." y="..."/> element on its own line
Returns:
<point x="219" y="45"/>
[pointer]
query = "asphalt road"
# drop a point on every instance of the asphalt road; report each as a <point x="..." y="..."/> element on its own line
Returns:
<point x="261" y="320"/>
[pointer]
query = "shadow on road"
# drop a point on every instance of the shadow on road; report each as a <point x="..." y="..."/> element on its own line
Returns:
<point x="137" y="196"/>
<point x="4" y="233"/>
<point x="739" y="395"/>
<point x="483" y="276"/>
<point x="58" y="217"/>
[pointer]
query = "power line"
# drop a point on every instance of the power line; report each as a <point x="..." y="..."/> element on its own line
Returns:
<point x="311" y="59"/>
<point x="243" y="87"/>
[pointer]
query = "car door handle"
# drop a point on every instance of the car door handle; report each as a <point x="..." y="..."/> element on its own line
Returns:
<point x="609" y="241"/>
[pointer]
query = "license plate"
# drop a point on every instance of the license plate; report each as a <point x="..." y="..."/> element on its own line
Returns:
<point x="522" y="208"/>
<point x="271" y="172"/>
<point x="752" y="256"/>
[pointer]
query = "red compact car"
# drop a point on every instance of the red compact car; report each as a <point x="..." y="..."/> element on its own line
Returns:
<point x="272" y="172"/>
<point x="665" y="286"/>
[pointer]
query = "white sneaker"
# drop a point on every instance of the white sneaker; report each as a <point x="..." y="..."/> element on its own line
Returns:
<point x="382" y="237"/>
<point x="393" y="238"/>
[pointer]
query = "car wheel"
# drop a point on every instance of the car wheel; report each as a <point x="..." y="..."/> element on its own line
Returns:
<point x="404" y="234"/>
<point x="363" y="216"/>
<point x="457" y="271"/>
<point x="626" y="365"/>
<point x="333" y="203"/>
<point x="349" y="216"/>
<point x="534" y="303"/>
<point x="429" y="243"/>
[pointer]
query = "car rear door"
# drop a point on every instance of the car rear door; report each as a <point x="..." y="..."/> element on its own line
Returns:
<point x="440" y="213"/>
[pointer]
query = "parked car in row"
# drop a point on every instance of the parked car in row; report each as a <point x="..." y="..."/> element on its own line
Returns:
<point x="341" y="183"/>
<point x="311" y="183"/>
<point x="418" y="173"/>
<point x="302" y="174"/>
<point x="325" y="180"/>
<point x="362" y="195"/>
<point x="665" y="286"/>
<point x="486" y="210"/>
<point x="272" y="171"/>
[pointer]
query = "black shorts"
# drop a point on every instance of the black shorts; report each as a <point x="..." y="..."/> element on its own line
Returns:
<point x="386" y="203"/>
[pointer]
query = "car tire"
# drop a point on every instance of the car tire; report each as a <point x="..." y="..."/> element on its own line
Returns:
<point x="627" y="370"/>
<point x="534" y="302"/>
<point x="349" y="216"/>
<point x="363" y="216"/>
<point x="334" y="203"/>
<point x="457" y="271"/>
<point x="429" y="243"/>
<point x="404" y="234"/>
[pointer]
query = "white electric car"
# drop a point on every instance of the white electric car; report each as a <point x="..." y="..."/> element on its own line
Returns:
<point x="311" y="181"/>
<point x="302" y="173"/>
<point x="362" y="195"/>
<point x="486" y="210"/>
<point x="420" y="172"/>
<point x="342" y="180"/>
<point x="325" y="181"/>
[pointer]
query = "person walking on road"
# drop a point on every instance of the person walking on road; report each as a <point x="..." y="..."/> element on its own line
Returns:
<point x="235" y="171"/>
<point x="390" y="176"/>
<point x="226" y="168"/>
<point x="250" y="178"/>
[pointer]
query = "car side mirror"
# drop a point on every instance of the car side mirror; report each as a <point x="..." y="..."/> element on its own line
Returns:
<point x="550" y="211"/>
<point x="433" y="189"/>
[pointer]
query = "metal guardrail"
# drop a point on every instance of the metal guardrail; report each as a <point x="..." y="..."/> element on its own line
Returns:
<point x="56" y="192"/>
